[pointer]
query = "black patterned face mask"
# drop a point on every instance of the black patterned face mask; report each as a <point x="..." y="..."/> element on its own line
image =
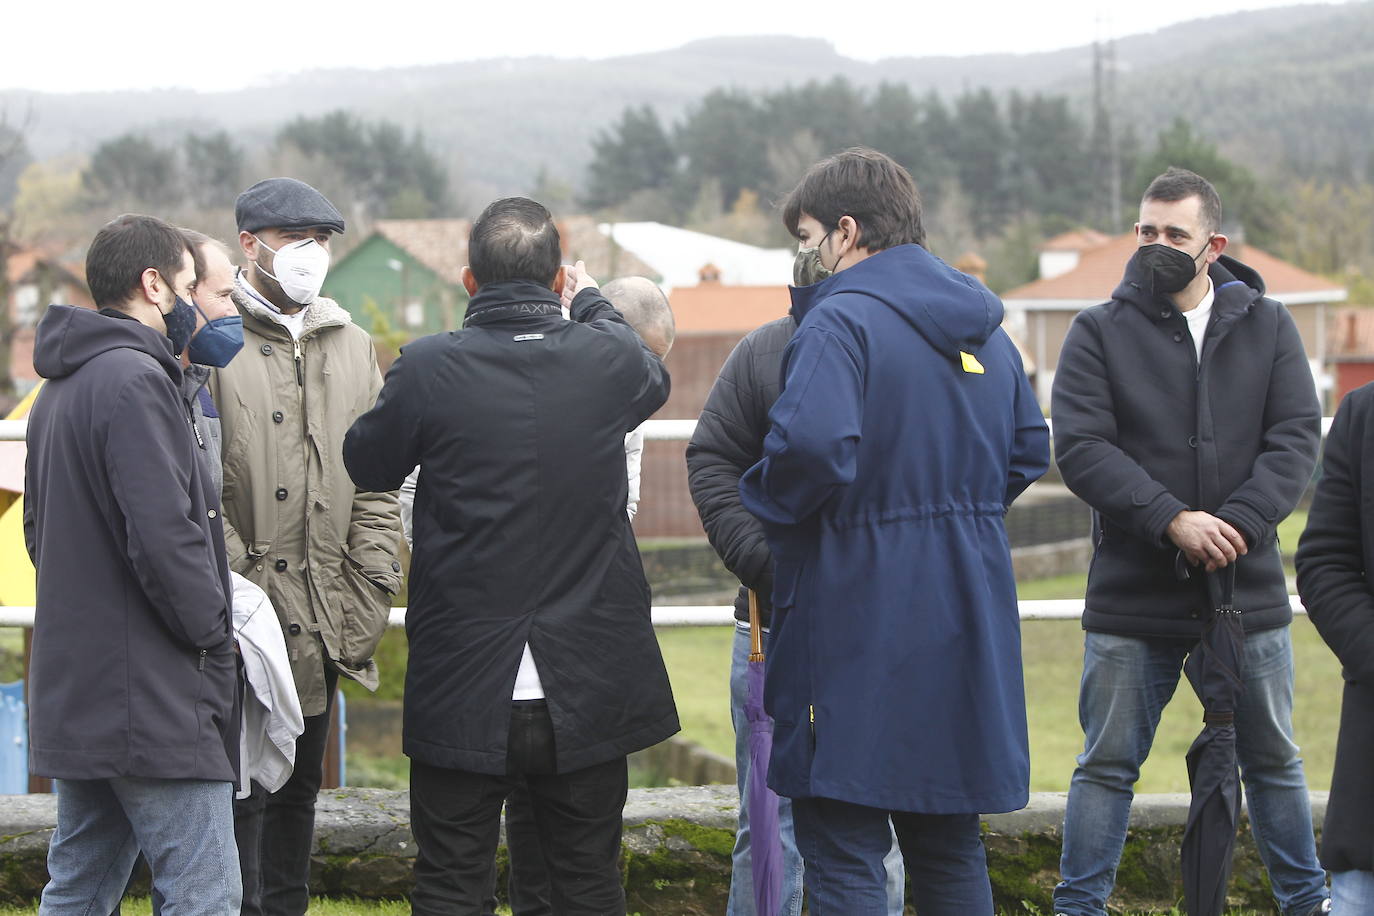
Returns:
<point x="181" y="324"/>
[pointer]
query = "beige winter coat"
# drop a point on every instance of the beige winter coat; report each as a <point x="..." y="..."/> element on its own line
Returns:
<point x="325" y="552"/>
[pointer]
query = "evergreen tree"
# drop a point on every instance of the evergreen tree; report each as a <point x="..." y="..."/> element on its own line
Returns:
<point x="633" y="155"/>
<point x="726" y="138"/>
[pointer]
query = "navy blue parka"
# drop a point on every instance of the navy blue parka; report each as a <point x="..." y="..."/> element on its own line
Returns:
<point x="905" y="429"/>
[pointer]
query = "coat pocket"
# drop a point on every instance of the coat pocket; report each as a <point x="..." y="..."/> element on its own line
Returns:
<point x="366" y="606"/>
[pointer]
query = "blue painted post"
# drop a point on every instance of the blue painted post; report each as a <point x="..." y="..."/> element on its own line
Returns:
<point x="14" y="740"/>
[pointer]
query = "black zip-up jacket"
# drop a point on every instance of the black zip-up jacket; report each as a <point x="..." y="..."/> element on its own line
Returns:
<point x="1144" y="430"/>
<point x="1335" y="558"/>
<point x="518" y="425"/>
<point x="133" y="670"/>
<point x="729" y="441"/>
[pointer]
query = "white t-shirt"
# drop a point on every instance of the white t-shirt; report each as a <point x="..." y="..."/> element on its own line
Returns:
<point x="1199" y="316"/>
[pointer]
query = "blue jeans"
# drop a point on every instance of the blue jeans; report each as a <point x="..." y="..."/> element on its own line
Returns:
<point x="184" y="826"/>
<point x="1126" y="683"/>
<point x="742" y="874"/>
<point x="1352" y="893"/>
<point x="844" y="846"/>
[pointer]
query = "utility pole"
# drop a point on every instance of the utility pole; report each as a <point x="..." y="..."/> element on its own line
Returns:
<point x="1106" y="145"/>
<point x="1113" y="138"/>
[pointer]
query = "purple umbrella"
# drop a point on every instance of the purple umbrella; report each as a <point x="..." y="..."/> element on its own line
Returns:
<point x="765" y="842"/>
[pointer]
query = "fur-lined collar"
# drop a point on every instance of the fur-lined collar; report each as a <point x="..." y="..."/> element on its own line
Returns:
<point x="321" y="314"/>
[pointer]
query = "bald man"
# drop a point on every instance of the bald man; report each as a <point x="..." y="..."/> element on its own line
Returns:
<point x="646" y="308"/>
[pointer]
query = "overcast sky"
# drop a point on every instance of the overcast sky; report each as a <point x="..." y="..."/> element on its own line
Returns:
<point x="74" y="45"/>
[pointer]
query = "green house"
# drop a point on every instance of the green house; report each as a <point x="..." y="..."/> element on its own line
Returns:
<point x="405" y="277"/>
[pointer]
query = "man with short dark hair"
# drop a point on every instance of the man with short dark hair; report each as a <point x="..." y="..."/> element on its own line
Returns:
<point x="532" y="654"/>
<point x="1185" y="416"/>
<point x="123" y="526"/>
<point x="727" y="442"/>
<point x="646" y="309"/>
<point x="326" y="554"/>
<point x="905" y="428"/>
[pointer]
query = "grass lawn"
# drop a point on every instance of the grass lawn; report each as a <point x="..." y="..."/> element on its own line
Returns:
<point x="698" y="662"/>
<point x="319" y="906"/>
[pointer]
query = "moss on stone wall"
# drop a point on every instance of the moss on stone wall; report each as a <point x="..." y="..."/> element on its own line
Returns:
<point x="676" y="866"/>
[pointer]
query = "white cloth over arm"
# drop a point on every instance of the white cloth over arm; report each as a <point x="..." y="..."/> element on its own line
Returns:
<point x="634" y="453"/>
<point x="272" y="719"/>
<point x="407" y="496"/>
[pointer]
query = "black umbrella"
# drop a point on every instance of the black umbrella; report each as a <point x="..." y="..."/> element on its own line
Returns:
<point x="1215" y="669"/>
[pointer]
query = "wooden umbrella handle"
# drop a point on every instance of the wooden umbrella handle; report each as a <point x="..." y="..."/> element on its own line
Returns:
<point x="755" y="629"/>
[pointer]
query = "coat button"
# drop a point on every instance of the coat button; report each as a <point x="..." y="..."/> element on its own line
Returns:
<point x="1192" y="441"/>
<point x="395" y="565"/>
<point x="280" y="566"/>
<point x="294" y="629"/>
<point x="1165" y="313"/>
<point x="1178" y="337"/>
<point x="281" y="493"/>
<point x="212" y="513"/>
<point x="278" y="416"/>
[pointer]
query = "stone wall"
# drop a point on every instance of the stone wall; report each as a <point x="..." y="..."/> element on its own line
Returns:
<point x="677" y="843"/>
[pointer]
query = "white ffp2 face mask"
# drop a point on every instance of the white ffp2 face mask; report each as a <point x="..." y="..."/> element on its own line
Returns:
<point x="300" y="269"/>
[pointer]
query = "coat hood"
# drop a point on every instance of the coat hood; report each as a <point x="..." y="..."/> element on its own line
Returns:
<point x="69" y="337"/>
<point x="950" y="309"/>
<point x="1237" y="287"/>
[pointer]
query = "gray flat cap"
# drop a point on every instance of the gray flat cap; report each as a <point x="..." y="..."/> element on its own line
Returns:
<point x="285" y="203"/>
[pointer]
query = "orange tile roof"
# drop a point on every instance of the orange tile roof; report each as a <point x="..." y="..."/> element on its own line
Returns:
<point x="1352" y="333"/>
<point x="439" y="244"/>
<point x="716" y="307"/>
<point x="1076" y="240"/>
<point x="21" y="262"/>
<point x="1099" y="271"/>
<point x="442" y="246"/>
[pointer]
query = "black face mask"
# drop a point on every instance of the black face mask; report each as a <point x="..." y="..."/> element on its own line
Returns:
<point x="1168" y="270"/>
<point x="181" y="324"/>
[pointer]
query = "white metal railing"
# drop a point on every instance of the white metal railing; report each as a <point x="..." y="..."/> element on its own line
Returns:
<point x="660" y="430"/>
<point x="663" y="616"/>
<point x="673" y="430"/>
<point x="672" y="617"/>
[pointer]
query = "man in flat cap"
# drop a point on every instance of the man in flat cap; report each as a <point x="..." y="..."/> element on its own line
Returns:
<point x="326" y="553"/>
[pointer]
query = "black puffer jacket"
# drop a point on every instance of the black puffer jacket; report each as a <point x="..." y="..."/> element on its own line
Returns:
<point x="133" y="671"/>
<point x="1143" y="431"/>
<point x="1335" y="559"/>
<point x="729" y="441"/>
<point x="518" y="425"/>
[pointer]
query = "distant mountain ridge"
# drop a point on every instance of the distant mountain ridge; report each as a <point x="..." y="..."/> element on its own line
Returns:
<point x="1285" y="87"/>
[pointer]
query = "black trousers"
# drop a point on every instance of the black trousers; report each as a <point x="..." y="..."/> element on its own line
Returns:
<point x="276" y="831"/>
<point x="455" y="816"/>
<point x="527" y="885"/>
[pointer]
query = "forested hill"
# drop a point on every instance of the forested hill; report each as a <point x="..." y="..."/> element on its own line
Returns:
<point x="1287" y="88"/>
